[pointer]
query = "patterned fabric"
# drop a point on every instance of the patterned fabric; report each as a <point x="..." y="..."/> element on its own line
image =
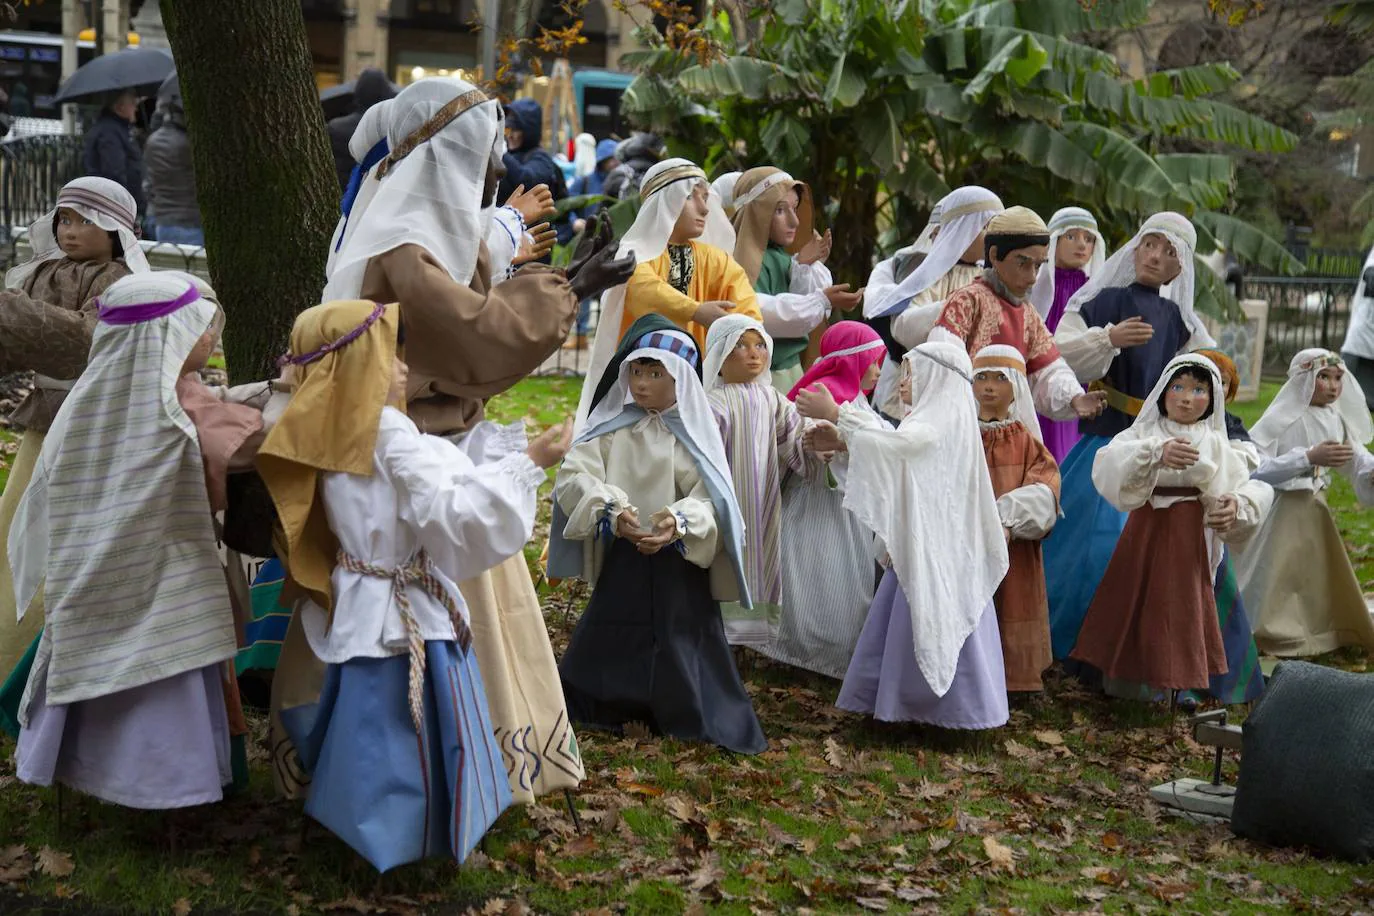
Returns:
<point x="979" y="317"/>
<point x="418" y="572"/>
<point x="681" y="268"/>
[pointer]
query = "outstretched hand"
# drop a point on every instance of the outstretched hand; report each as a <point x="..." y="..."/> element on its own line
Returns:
<point x="817" y="403"/>
<point x="551" y="445"/>
<point x="535" y="244"/>
<point x="534" y="204"/>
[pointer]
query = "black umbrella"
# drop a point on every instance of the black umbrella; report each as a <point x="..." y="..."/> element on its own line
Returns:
<point x="139" y="69"/>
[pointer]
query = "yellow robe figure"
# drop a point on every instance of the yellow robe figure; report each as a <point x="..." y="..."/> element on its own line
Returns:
<point x="715" y="277"/>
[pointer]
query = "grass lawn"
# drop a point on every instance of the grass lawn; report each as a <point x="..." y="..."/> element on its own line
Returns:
<point x="1050" y="813"/>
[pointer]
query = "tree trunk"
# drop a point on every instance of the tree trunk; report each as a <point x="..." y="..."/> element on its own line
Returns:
<point x="265" y="177"/>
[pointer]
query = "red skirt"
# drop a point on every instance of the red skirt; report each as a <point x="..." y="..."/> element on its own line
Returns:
<point x="1153" y="619"/>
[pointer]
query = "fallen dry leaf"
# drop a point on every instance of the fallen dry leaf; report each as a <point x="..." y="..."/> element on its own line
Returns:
<point x="1112" y="840"/>
<point x="351" y="902"/>
<point x="1018" y="750"/>
<point x="182" y="907"/>
<point x="875" y="904"/>
<point x="684" y="809"/>
<point x="638" y="731"/>
<point x="196" y="876"/>
<point x="55" y="864"/>
<point x="1000" y="856"/>
<point x="1049" y="738"/>
<point x="849" y="843"/>
<point x="581" y="846"/>
<point x="835" y="754"/>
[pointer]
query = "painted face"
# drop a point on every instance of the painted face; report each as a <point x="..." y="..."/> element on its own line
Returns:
<point x="400" y="378"/>
<point x="691" y="222"/>
<point x="783" y="231"/>
<point x="746" y="360"/>
<point x="1019" y="268"/>
<point x="994" y="393"/>
<point x="651" y="385"/>
<point x="1330" y="382"/>
<point x="904" y="386"/>
<point x="1156" y="261"/>
<point x="1074" y="249"/>
<point x="871" y="375"/>
<point x="1187" y="398"/>
<point x="80" y="239"/>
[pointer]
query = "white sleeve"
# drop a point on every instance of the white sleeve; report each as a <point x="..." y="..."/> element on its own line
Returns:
<point x="486" y="441"/>
<point x="1283" y="468"/>
<point x="881" y="281"/>
<point x="1053" y="389"/>
<point x="696" y="518"/>
<point x="1253" y="500"/>
<point x="913" y="326"/>
<point x="1125" y="470"/>
<point x="1088" y="351"/>
<point x="809" y="278"/>
<point x="792" y="315"/>
<point x="583" y="493"/>
<point x="1360" y="471"/>
<point x="1029" y="512"/>
<point x="503" y="240"/>
<point x="852" y="419"/>
<point x="468" y="518"/>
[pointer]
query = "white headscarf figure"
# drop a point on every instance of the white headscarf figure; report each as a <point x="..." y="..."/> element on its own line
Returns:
<point x="925" y="490"/>
<point x="1293" y="403"/>
<point x="442" y="135"/>
<point x="663" y="192"/>
<point x="100" y="200"/>
<point x="721" y="338"/>
<point x="584" y="155"/>
<point x="1011" y="365"/>
<point x="725" y="187"/>
<point x="964" y="212"/>
<point x="1119" y="270"/>
<point x="1064" y="220"/>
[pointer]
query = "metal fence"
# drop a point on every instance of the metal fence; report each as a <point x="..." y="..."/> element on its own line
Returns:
<point x="32" y="171"/>
<point x="1303" y="312"/>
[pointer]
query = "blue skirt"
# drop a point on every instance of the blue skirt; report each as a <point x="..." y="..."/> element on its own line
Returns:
<point x="392" y="795"/>
<point x="1079" y="548"/>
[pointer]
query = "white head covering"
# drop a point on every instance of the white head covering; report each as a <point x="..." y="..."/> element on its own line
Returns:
<point x="663" y="192"/>
<point x="125" y="452"/>
<point x="923" y="241"/>
<point x="964" y="212"/>
<point x="924" y="488"/>
<point x="1011" y="365"/>
<point x="584" y="155"/>
<point x="428" y="189"/>
<point x="100" y="200"/>
<point x="720" y="341"/>
<point x="725" y="187"/>
<point x="1359" y="334"/>
<point x="1119" y="270"/>
<point x="1293" y="403"/>
<point x="1042" y="293"/>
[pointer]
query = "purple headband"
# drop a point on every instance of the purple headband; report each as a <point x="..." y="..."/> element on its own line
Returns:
<point x="287" y="359"/>
<point x="147" y="311"/>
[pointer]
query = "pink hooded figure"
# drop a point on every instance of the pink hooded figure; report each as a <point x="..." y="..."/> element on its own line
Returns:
<point x="848" y="350"/>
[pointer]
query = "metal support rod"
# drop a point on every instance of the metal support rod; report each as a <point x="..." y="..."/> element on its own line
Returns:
<point x="572" y="809"/>
<point x="491" y="23"/>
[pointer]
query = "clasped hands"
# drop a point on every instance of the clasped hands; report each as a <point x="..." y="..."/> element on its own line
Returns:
<point x="662" y="532"/>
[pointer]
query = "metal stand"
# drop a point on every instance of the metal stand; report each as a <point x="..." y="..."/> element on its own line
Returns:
<point x="572" y="810"/>
<point x="1192" y="797"/>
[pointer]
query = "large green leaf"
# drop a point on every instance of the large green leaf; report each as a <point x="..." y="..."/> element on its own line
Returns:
<point x="846" y="86"/>
<point x="1042" y="146"/>
<point x="1245" y="242"/>
<point x="744" y="77"/>
<point x="1211" y="295"/>
<point x="1206" y="178"/>
<point x="1056" y="17"/>
<point x="1228" y="124"/>
<point x="917" y="180"/>
<point x="880" y="136"/>
<point x="786" y="139"/>
<point x="1122" y="164"/>
<point x="1189" y="82"/>
<point x="1020" y="58"/>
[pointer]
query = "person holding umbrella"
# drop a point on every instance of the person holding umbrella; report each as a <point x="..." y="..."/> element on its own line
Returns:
<point x="110" y="151"/>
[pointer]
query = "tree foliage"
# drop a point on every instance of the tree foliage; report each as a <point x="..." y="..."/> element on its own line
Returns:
<point x="883" y="106"/>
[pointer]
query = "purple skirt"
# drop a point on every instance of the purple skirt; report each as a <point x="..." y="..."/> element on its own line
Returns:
<point x="884" y="681"/>
<point x="162" y="745"/>
<point x="1060" y="436"/>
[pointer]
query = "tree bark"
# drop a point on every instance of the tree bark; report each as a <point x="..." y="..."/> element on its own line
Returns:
<point x="264" y="174"/>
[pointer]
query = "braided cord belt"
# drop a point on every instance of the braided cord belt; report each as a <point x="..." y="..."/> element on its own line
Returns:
<point x="419" y="573"/>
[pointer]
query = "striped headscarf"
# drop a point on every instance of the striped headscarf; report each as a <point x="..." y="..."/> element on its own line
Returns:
<point x="100" y="200"/>
<point x="116" y="526"/>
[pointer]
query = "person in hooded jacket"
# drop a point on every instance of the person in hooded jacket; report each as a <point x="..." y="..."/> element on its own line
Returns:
<point x="527" y="163"/>
<point x="371" y="87"/>
<point x="637" y="155"/>
<point x="170" y="177"/>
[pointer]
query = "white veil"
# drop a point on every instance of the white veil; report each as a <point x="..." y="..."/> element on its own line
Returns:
<point x="924" y="488"/>
<point x="964" y="212"/>
<point x="721" y="339"/>
<point x="1011" y="365"/>
<point x="1294" y="400"/>
<point x="1119" y="270"/>
<point x="428" y="190"/>
<point x="1042" y="293"/>
<point x="664" y="191"/>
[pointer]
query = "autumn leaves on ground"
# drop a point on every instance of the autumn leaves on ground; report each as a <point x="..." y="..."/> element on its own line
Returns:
<point x="1050" y="813"/>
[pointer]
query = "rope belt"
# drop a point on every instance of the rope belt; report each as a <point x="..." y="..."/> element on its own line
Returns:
<point x="1119" y="400"/>
<point x="419" y="573"/>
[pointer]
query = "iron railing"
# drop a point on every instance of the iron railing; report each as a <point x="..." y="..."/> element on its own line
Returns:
<point x="32" y="171"/>
<point x="1303" y="312"/>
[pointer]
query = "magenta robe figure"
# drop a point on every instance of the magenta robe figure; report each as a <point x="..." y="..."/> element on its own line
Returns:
<point x="1060" y="436"/>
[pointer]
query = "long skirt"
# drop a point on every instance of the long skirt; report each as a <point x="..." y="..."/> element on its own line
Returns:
<point x="16" y="635"/>
<point x="1298" y="583"/>
<point x="12" y="691"/>
<point x="1154" y="619"/>
<point x="827" y="579"/>
<point x="392" y="795"/>
<point x="162" y="745"/>
<point x="1022" y="620"/>
<point x="1243" y="681"/>
<point x="885" y="682"/>
<point x="651" y="648"/>
<point x="1079" y="548"/>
